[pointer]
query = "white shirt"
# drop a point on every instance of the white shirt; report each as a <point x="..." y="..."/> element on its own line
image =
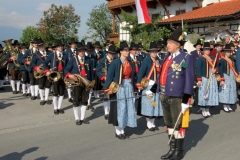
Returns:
<point x="73" y="50"/>
<point x="132" y="56"/>
<point x="59" y="53"/>
<point x="173" y="55"/>
<point x="81" y="58"/>
<point x="43" y="52"/>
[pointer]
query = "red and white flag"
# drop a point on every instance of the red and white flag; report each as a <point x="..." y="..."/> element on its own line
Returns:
<point x="142" y="12"/>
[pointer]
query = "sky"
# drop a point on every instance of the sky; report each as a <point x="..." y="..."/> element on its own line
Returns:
<point x="15" y="15"/>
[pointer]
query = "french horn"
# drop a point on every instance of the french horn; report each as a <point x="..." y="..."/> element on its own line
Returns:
<point x="39" y="75"/>
<point x="79" y="82"/>
<point x="54" y="76"/>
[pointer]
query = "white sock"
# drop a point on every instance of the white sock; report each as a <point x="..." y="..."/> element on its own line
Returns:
<point x="229" y="108"/>
<point x="207" y="112"/>
<point x="69" y="93"/>
<point x="41" y="92"/>
<point x="95" y="94"/>
<point x="225" y="107"/>
<point x="18" y="85"/>
<point x="9" y="77"/>
<point x="24" y="88"/>
<point x="83" y="111"/>
<point x="46" y="93"/>
<point x="75" y="111"/>
<point x="51" y="88"/>
<point x="149" y="124"/>
<point x="36" y="88"/>
<point x="153" y="122"/>
<point x="60" y="99"/>
<point x="106" y="107"/>
<point x="28" y="88"/>
<point x="89" y="98"/>
<point x="118" y="130"/>
<point x="203" y="112"/>
<point x="32" y="90"/>
<point x="13" y="85"/>
<point x="55" y="102"/>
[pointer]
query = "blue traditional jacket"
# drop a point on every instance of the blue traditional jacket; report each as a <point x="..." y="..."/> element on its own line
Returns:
<point x="38" y="59"/>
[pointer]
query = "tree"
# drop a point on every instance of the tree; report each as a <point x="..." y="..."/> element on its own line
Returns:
<point x="59" y="22"/>
<point x="144" y="33"/>
<point x="99" y="23"/>
<point x="28" y="34"/>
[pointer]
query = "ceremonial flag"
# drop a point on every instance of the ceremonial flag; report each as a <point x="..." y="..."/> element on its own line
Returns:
<point x="142" y="12"/>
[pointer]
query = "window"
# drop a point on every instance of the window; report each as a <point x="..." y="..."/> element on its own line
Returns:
<point x="155" y="16"/>
<point x="178" y="12"/>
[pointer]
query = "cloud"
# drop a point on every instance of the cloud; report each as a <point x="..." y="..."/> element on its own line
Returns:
<point x="16" y="20"/>
<point x="43" y="6"/>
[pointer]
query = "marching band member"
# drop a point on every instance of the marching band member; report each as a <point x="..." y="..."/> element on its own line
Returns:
<point x="57" y="63"/>
<point x="176" y="83"/>
<point x="102" y="69"/>
<point x="23" y="69"/>
<point x="89" y="50"/>
<point x="204" y="68"/>
<point x="70" y="53"/>
<point x="197" y="52"/>
<point x="150" y="69"/>
<point x="97" y="55"/>
<point x="141" y="54"/>
<point x="160" y="55"/>
<point x="13" y="69"/>
<point x="122" y="111"/>
<point x="227" y="89"/>
<point x="28" y="60"/>
<point x="218" y="49"/>
<point x="81" y="65"/>
<point x="3" y="70"/>
<point x="37" y="64"/>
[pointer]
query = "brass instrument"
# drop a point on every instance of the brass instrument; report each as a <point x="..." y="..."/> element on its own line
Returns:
<point x="3" y="60"/>
<point x="54" y="76"/>
<point x="80" y="81"/>
<point x="114" y="87"/>
<point x="9" y="48"/>
<point x="39" y="75"/>
<point x="218" y="77"/>
<point x="145" y="81"/>
<point x="72" y="83"/>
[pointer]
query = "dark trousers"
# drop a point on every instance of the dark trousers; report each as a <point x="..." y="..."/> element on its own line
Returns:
<point x="43" y="83"/>
<point x="58" y="87"/>
<point x="80" y="95"/>
<point x="15" y="74"/>
<point x="25" y="77"/>
<point x="31" y="78"/>
<point x="171" y="109"/>
<point x="3" y="72"/>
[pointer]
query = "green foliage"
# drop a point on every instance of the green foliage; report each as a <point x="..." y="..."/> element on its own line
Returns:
<point x="99" y="23"/>
<point x="59" y="22"/>
<point x="28" y="34"/>
<point x="144" y="33"/>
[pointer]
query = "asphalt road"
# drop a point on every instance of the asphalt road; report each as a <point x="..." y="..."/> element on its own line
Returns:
<point x="29" y="131"/>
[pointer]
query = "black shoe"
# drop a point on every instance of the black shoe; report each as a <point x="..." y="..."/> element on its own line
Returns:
<point x="61" y="111"/>
<point x="106" y="116"/>
<point x="2" y="89"/>
<point x="78" y="122"/>
<point x="48" y="102"/>
<point x="125" y="136"/>
<point x="14" y="92"/>
<point x="70" y="100"/>
<point x="120" y="136"/>
<point x="156" y="128"/>
<point x="171" y="150"/>
<point x="42" y="103"/>
<point x="90" y="107"/>
<point x="33" y="98"/>
<point x="17" y="92"/>
<point x="56" y="112"/>
<point x="151" y="129"/>
<point x="28" y="95"/>
<point x="178" y="154"/>
<point x="24" y="95"/>
<point x="226" y="111"/>
<point x="84" y="121"/>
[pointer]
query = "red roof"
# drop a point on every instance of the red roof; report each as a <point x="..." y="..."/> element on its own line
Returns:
<point x="213" y="10"/>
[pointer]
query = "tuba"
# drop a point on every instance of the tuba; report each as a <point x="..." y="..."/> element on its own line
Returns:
<point x="39" y="75"/>
<point x="9" y="48"/>
<point x="54" y="76"/>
